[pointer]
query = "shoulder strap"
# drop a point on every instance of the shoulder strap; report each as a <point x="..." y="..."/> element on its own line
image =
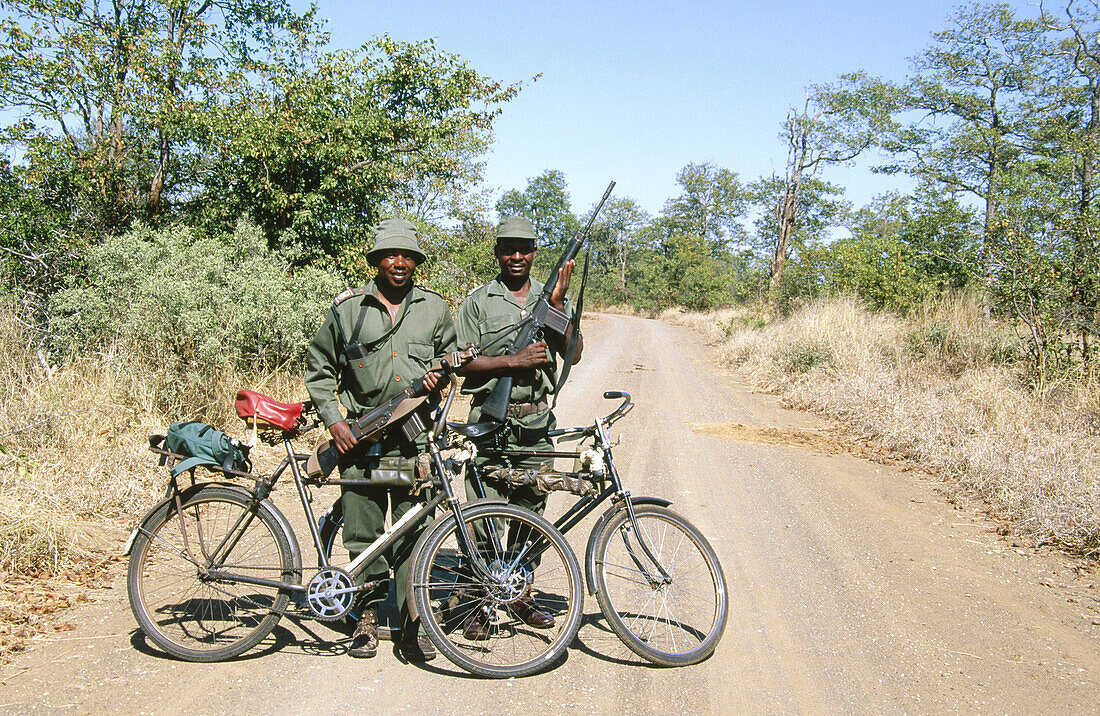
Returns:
<point x="359" y="326"/>
<point x="340" y="327"/>
<point x="574" y="337"/>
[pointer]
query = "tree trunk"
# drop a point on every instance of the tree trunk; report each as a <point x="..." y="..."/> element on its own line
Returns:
<point x="786" y="215"/>
<point x="156" y="188"/>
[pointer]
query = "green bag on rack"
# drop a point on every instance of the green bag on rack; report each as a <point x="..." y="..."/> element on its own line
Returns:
<point x="202" y="444"/>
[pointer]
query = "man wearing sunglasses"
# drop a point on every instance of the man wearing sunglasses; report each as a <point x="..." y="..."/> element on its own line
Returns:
<point x="486" y="316"/>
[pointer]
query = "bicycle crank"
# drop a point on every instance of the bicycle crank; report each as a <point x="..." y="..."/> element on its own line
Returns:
<point x="331" y="594"/>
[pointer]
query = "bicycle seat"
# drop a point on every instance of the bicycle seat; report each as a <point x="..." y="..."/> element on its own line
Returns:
<point x="265" y="413"/>
<point x="475" y="430"/>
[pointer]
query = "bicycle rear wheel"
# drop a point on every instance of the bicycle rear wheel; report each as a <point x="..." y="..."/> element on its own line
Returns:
<point x="672" y="622"/>
<point x="189" y="615"/>
<point x="448" y="593"/>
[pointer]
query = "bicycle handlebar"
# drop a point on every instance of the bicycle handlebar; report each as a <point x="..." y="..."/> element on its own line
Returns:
<point x="623" y="408"/>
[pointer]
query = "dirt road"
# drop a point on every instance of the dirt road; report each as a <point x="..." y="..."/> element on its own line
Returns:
<point x="854" y="588"/>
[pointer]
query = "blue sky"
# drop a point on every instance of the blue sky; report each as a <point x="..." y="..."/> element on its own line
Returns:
<point x="633" y="91"/>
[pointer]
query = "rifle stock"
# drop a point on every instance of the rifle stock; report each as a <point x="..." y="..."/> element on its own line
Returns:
<point x="373" y="426"/>
<point x="543" y="315"/>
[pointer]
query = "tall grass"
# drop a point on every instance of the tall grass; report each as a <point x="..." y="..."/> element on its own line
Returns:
<point x="71" y="443"/>
<point x="947" y="388"/>
<point x="74" y="456"/>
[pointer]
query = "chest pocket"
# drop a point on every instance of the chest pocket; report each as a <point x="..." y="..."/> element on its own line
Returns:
<point x="495" y="328"/>
<point x="421" y="353"/>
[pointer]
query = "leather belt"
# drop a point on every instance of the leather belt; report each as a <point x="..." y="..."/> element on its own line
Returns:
<point x="522" y="410"/>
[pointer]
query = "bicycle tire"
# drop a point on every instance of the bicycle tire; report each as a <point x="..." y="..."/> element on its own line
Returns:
<point x="197" y="619"/>
<point x="447" y="595"/>
<point x="673" y="624"/>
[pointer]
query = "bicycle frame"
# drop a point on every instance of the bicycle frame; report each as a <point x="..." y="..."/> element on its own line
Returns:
<point x="407" y="522"/>
<point x="586" y="505"/>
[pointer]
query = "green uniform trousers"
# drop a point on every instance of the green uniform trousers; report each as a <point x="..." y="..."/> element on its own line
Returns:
<point x="364" y="521"/>
<point x="517" y="438"/>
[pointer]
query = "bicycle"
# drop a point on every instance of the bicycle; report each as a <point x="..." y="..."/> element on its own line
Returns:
<point x="657" y="580"/>
<point x="214" y="566"/>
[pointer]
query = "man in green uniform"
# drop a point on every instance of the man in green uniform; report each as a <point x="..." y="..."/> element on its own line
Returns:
<point x="485" y="316"/>
<point x="373" y="343"/>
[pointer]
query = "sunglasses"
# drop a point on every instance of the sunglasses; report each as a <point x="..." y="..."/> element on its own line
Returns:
<point x="512" y="247"/>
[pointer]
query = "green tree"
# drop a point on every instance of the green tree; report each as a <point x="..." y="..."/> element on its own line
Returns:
<point x="709" y="206"/>
<point x="969" y="96"/>
<point x="1068" y="143"/>
<point x="901" y="250"/>
<point x="546" y="202"/>
<point x="834" y="126"/>
<point x="315" y="154"/>
<point x="614" y="245"/>
<point x="943" y="240"/>
<point x="779" y="234"/>
<point x="116" y="86"/>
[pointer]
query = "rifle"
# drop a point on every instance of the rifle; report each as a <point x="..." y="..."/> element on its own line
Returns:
<point x="543" y="315"/>
<point x="373" y="426"/>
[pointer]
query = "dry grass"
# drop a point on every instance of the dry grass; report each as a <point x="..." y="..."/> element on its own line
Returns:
<point x="719" y="325"/>
<point x="75" y="470"/>
<point x="74" y="455"/>
<point x="944" y="389"/>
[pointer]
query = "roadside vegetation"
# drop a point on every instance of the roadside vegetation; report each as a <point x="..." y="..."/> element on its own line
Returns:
<point x="947" y="390"/>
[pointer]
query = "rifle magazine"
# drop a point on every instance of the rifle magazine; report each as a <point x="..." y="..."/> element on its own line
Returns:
<point x="413" y="427"/>
<point x="557" y="321"/>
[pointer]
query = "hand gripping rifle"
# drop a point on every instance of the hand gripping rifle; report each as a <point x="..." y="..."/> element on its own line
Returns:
<point x="400" y="409"/>
<point x="543" y="315"/>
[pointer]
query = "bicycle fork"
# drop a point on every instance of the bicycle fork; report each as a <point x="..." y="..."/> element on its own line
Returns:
<point x="631" y="526"/>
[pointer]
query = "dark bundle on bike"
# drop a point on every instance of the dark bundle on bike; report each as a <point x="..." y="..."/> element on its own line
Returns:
<point x="544" y="479"/>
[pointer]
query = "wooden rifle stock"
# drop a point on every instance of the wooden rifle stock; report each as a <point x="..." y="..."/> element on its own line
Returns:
<point x="374" y="425"/>
<point x="543" y="315"/>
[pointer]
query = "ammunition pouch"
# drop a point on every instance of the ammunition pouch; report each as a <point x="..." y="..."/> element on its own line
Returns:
<point x="392" y="471"/>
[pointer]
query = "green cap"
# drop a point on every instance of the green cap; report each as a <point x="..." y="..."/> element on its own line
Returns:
<point x="516" y="227"/>
<point x="394" y="234"/>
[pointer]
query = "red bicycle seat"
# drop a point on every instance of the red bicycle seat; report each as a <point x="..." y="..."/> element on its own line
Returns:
<point x="267" y="413"/>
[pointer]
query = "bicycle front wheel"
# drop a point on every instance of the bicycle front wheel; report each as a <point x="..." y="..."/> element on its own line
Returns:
<point x="483" y="623"/>
<point x="672" y="619"/>
<point x="179" y="606"/>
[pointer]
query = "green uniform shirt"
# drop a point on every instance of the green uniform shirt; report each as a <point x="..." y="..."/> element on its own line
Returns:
<point x="484" y="317"/>
<point x="395" y="356"/>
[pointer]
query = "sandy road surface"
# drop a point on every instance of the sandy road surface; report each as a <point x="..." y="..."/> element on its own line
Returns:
<point x="853" y="588"/>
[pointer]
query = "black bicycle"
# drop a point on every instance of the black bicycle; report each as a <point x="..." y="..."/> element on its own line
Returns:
<point x="657" y="579"/>
<point x="215" y="565"/>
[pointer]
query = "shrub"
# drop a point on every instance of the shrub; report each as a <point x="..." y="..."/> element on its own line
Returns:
<point x="804" y="356"/>
<point x="190" y="307"/>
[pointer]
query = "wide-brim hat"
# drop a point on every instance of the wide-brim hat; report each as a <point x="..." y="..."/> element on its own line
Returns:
<point x="516" y="227"/>
<point x="394" y="234"/>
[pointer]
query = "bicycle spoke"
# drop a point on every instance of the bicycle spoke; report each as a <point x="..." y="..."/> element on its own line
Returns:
<point x="669" y="621"/>
<point x="190" y="615"/>
<point x="476" y="621"/>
